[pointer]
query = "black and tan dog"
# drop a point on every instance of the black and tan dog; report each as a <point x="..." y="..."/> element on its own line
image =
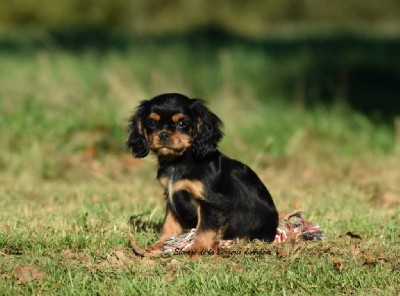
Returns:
<point x="204" y="189"/>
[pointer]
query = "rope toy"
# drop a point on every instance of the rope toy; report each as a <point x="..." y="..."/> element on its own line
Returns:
<point x="292" y="227"/>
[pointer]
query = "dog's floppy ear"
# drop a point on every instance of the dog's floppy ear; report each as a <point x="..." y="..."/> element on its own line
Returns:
<point x="207" y="130"/>
<point x="137" y="142"/>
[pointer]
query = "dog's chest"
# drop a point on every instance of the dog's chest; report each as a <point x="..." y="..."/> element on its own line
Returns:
<point x="174" y="183"/>
<point x="170" y="191"/>
<point x="167" y="181"/>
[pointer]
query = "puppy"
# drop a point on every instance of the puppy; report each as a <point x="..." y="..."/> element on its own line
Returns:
<point x="204" y="189"/>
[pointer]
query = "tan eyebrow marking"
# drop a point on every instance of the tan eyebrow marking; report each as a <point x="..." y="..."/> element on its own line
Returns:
<point x="178" y="116"/>
<point x="154" y="116"/>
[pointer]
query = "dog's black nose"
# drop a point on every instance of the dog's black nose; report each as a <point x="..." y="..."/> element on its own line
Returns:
<point x="164" y="136"/>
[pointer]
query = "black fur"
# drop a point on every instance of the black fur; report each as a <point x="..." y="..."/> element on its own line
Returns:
<point x="236" y="203"/>
<point x="209" y="133"/>
<point x="136" y="141"/>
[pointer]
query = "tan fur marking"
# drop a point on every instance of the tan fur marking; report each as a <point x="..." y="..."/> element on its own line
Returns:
<point x="198" y="210"/>
<point x="204" y="240"/>
<point x="142" y="130"/>
<point x="171" y="226"/>
<point x="198" y="125"/>
<point x="154" y="116"/>
<point x="140" y="127"/>
<point x="163" y="181"/>
<point x="178" y="116"/>
<point x="195" y="188"/>
<point x="179" y="142"/>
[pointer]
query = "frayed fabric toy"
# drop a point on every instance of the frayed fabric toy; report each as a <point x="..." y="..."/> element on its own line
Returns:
<point x="292" y="227"/>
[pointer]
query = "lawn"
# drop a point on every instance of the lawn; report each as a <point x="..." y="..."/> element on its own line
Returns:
<point x="71" y="195"/>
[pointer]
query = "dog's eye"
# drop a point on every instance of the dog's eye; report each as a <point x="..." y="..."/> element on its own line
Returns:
<point x="181" y="124"/>
<point x="151" y="123"/>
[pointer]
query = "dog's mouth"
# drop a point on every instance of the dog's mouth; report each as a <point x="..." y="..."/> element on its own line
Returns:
<point x="176" y="145"/>
<point x="168" y="150"/>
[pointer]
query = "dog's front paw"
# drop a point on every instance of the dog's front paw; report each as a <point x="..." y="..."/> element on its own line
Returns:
<point x="196" y="247"/>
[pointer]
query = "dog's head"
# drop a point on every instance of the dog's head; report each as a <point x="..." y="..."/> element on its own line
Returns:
<point x="172" y="124"/>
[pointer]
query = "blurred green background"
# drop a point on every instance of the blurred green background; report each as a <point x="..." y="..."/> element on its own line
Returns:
<point x="281" y="74"/>
<point x="303" y="51"/>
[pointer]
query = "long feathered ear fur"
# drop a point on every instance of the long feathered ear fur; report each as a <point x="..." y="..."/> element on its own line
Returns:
<point x="208" y="129"/>
<point x="137" y="143"/>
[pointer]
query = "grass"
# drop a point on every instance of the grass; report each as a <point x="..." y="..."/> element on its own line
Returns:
<point x="71" y="194"/>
